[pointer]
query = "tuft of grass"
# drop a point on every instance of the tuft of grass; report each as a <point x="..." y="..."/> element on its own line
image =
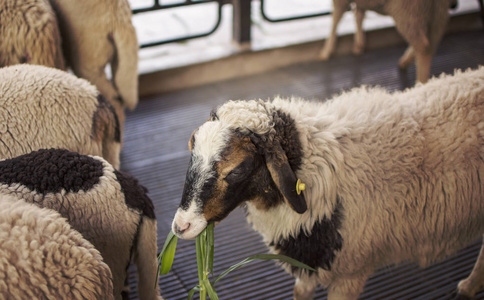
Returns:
<point x="205" y="253"/>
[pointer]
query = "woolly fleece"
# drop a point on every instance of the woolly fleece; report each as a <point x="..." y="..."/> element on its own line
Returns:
<point x="42" y="107"/>
<point x="42" y="257"/>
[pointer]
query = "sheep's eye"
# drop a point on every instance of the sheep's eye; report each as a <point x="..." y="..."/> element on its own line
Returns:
<point x="240" y="172"/>
<point x="235" y="175"/>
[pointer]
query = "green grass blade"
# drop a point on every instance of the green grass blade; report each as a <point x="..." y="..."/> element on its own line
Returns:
<point x="192" y="292"/>
<point x="198" y="246"/>
<point x="283" y="258"/>
<point x="210" y="290"/>
<point x="167" y="254"/>
<point x="251" y="258"/>
<point x="210" y="246"/>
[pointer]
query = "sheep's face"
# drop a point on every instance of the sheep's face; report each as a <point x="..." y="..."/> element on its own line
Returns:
<point x="219" y="177"/>
<point x="228" y="166"/>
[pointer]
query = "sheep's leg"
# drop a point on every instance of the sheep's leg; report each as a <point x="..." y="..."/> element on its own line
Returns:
<point x="423" y="61"/>
<point x="472" y="284"/>
<point x="339" y="8"/>
<point x="346" y="289"/>
<point x="359" y="43"/>
<point x="304" y="289"/>
<point x="407" y="58"/>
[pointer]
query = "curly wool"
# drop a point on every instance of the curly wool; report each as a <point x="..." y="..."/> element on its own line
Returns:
<point x="29" y="33"/>
<point x="108" y="207"/>
<point x="42" y="107"/>
<point x="42" y="257"/>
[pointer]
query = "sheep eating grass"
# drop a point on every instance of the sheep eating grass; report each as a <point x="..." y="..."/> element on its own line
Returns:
<point x="390" y="177"/>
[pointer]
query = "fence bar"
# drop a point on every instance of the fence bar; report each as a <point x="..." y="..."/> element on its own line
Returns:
<point x="157" y="6"/>
<point x="267" y="18"/>
<point x="241" y="22"/>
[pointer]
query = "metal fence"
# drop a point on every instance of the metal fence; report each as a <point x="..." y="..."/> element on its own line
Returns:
<point x="241" y="18"/>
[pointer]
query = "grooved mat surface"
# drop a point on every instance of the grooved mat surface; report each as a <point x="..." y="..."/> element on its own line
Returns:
<point x="155" y="151"/>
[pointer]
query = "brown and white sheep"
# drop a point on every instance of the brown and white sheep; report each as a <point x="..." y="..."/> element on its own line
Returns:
<point x="390" y="177"/>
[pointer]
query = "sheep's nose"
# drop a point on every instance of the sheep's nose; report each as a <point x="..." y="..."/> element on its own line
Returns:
<point x="180" y="229"/>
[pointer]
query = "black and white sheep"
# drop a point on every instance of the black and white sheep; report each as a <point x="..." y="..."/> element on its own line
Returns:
<point x="389" y="177"/>
<point x="29" y="33"/>
<point x="421" y="23"/>
<point x="108" y="207"/>
<point x="43" y="107"/>
<point x="42" y="257"/>
<point x="98" y="33"/>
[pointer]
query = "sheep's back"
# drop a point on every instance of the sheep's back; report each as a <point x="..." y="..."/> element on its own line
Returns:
<point x="42" y="107"/>
<point x="414" y="171"/>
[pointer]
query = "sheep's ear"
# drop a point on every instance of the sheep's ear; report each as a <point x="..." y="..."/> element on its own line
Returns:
<point x="285" y="178"/>
<point x="192" y="140"/>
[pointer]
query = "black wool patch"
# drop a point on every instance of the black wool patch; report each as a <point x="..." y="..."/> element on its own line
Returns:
<point x="135" y="194"/>
<point x="318" y="249"/>
<point x="51" y="170"/>
<point x="286" y="129"/>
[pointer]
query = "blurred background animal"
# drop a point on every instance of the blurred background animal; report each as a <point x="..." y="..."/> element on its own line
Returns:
<point x="98" y="33"/>
<point x="421" y="23"/>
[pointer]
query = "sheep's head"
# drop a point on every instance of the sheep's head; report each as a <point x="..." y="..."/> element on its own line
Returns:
<point x="244" y="152"/>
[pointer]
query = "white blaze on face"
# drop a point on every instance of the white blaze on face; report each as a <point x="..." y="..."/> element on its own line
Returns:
<point x="210" y="140"/>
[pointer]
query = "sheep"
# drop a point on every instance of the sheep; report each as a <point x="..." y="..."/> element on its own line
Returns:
<point x="97" y="33"/>
<point x="389" y="177"/>
<point x="108" y="207"/>
<point x="29" y="33"/>
<point x="421" y="23"/>
<point x="43" y="107"/>
<point x="42" y="257"/>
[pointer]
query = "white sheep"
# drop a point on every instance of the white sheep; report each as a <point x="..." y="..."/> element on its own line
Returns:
<point x="421" y="23"/>
<point x="29" y="33"/>
<point x="108" y="207"/>
<point x="42" y="257"/>
<point x="97" y="33"/>
<point x="389" y="177"/>
<point x="43" y="107"/>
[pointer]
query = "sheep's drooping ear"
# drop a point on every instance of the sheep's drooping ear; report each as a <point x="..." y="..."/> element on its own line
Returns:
<point x="285" y="178"/>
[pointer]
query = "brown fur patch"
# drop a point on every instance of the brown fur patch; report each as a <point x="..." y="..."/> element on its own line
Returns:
<point x="105" y="121"/>
<point x="238" y="148"/>
<point x="191" y="142"/>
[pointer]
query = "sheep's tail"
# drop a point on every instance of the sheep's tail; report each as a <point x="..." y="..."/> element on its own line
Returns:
<point x="146" y="261"/>
<point x="125" y="64"/>
<point x="106" y="130"/>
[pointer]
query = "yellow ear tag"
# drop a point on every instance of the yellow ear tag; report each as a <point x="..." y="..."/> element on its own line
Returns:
<point x="300" y="186"/>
